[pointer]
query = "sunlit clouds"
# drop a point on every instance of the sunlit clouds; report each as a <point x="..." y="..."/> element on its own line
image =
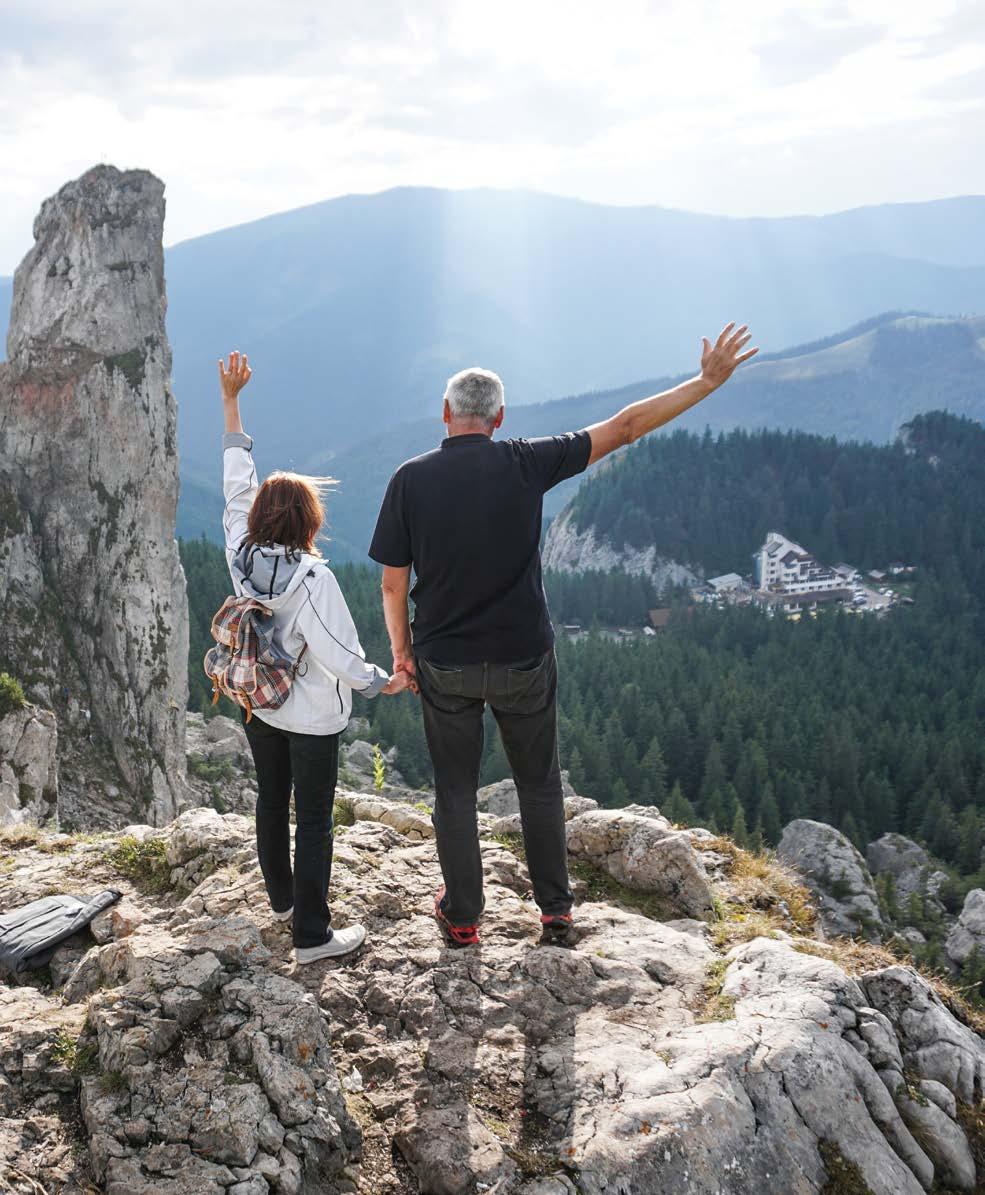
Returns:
<point x="253" y="108"/>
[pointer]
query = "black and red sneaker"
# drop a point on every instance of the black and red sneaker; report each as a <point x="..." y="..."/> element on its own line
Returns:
<point x="557" y="929"/>
<point x="455" y="935"/>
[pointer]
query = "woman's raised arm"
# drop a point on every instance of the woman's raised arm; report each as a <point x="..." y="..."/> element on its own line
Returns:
<point x="239" y="475"/>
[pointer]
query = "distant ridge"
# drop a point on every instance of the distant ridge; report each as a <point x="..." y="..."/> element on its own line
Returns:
<point x="863" y="385"/>
<point x="357" y="309"/>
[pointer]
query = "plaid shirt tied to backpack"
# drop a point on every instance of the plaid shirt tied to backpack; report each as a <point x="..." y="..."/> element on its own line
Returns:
<point x="244" y="664"/>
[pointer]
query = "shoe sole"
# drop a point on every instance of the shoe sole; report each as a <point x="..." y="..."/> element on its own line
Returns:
<point x="285" y="916"/>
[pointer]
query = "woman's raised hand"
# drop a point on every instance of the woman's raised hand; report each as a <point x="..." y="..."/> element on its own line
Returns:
<point x="233" y="378"/>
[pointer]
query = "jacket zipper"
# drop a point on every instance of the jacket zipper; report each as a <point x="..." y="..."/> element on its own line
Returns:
<point x="338" y="693"/>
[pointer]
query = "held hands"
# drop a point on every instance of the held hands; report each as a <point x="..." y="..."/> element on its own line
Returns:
<point x="398" y="682"/>
<point x="719" y="362"/>
<point x="403" y="667"/>
<point x="235" y="377"/>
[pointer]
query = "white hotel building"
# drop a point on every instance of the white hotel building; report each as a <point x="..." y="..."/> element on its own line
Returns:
<point x="783" y="567"/>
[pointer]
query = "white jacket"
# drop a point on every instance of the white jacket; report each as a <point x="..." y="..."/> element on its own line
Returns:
<point x="307" y="605"/>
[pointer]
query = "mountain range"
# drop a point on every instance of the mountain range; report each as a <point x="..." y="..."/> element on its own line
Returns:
<point x="861" y="385"/>
<point x="355" y="311"/>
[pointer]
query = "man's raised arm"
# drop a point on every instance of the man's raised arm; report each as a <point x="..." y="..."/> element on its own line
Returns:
<point x="718" y="363"/>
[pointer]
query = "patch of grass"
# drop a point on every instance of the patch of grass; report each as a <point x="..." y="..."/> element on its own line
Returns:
<point x="342" y="812"/>
<point x="78" y="1056"/>
<point x="212" y="771"/>
<point x="17" y="838"/>
<point x="714" y="1004"/>
<point x="55" y="846"/>
<point x="144" y="863"/>
<point x="113" y="1083"/>
<point x="912" y="1084"/>
<point x="11" y="695"/>
<point x="842" y="1177"/>
<point x="756" y="881"/>
<point x="512" y="843"/>
<point x="972" y="1122"/>
<point x="600" y="886"/>
<point x="737" y="924"/>
<point x="499" y="1127"/>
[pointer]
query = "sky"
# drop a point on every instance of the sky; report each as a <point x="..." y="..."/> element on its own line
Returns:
<point x="245" y="109"/>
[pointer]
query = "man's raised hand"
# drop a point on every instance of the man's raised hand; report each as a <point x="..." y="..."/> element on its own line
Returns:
<point x="719" y="361"/>
<point x="233" y="378"/>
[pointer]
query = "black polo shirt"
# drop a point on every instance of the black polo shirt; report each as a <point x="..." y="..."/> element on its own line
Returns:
<point x="468" y="517"/>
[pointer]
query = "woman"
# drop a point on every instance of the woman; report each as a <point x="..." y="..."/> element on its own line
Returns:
<point x="270" y="535"/>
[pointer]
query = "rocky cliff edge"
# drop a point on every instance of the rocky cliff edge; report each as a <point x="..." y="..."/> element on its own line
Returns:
<point x="177" y="1049"/>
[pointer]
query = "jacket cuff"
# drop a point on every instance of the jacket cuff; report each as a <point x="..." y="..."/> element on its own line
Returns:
<point x="380" y="681"/>
<point x="237" y="440"/>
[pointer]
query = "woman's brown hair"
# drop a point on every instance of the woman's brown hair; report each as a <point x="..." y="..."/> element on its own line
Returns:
<point x="288" y="511"/>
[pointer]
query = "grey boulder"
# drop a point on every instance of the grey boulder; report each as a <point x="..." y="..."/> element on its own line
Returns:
<point x="836" y="874"/>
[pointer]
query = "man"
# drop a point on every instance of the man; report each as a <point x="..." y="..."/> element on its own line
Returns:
<point x="467" y="518"/>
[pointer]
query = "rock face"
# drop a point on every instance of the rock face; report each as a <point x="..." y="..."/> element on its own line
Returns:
<point x="205" y="1062"/>
<point x="568" y="550"/>
<point x="968" y="932"/>
<point x="93" y="614"/>
<point x="909" y="865"/>
<point x="217" y="741"/>
<point x="836" y="873"/>
<point x="220" y="765"/>
<point x="28" y="767"/>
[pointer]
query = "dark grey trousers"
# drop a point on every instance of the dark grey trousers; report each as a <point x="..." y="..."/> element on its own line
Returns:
<point x="523" y="699"/>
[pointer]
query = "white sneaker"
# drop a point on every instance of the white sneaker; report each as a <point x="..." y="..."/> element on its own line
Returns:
<point x="342" y="941"/>
<point x="285" y="916"/>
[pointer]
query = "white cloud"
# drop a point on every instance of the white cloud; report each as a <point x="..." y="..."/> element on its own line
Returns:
<point x="251" y="108"/>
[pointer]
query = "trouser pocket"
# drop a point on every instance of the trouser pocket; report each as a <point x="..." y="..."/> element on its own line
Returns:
<point x="445" y="679"/>
<point x="531" y="684"/>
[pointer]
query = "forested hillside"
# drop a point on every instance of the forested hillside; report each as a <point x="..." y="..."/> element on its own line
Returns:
<point x="709" y="501"/>
<point x="742" y="722"/>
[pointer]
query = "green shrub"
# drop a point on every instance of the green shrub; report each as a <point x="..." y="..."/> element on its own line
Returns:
<point x="379" y="769"/>
<point x="212" y="771"/>
<point x="144" y="863"/>
<point x="11" y="695"/>
<point x="342" y="813"/>
<point x="78" y="1056"/>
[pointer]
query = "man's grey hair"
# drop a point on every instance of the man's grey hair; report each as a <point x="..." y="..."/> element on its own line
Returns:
<point x="475" y="394"/>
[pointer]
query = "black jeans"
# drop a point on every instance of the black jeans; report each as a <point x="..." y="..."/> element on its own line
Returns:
<point x="310" y="764"/>
<point x="523" y="699"/>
